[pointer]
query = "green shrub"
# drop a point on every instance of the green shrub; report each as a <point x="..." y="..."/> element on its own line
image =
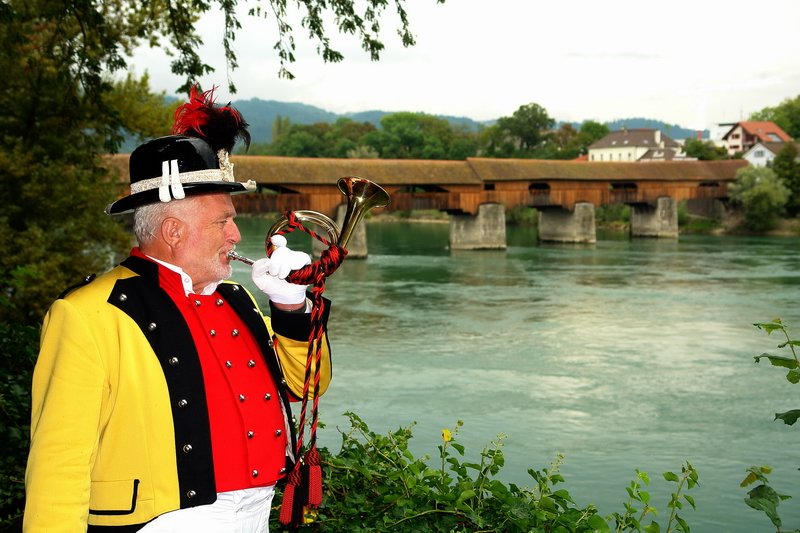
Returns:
<point x="522" y="215"/>
<point x="612" y="214"/>
<point x="762" y="196"/>
<point x="376" y="484"/>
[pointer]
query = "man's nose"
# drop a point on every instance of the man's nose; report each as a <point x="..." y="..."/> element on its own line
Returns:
<point x="234" y="235"/>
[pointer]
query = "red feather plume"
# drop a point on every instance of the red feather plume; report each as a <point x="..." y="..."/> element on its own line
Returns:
<point x="220" y="126"/>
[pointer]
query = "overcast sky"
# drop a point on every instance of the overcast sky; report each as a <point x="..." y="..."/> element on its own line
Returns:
<point x="695" y="63"/>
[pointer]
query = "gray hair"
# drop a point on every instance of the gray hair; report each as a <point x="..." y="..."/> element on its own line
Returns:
<point x="147" y="219"/>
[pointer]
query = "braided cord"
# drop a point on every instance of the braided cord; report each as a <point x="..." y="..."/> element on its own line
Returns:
<point x="313" y="274"/>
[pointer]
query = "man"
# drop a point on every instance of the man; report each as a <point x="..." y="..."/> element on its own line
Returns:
<point x="161" y="394"/>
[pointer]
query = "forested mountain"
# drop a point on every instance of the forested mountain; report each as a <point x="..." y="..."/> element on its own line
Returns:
<point x="261" y="115"/>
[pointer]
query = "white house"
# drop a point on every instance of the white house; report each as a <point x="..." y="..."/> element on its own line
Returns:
<point x="762" y="154"/>
<point x="744" y="135"/>
<point x="635" y="145"/>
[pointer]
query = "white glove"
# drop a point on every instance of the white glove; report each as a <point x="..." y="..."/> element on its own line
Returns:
<point x="268" y="273"/>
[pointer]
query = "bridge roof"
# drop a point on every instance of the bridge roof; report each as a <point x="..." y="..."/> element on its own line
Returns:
<point x="473" y="171"/>
<point x="308" y="170"/>
<point x="540" y="169"/>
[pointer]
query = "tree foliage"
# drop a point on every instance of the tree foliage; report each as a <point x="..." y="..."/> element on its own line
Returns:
<point x="786" y="115"/>
<point x="704" y="150"/>
<point x="787" y="169"/>
<point x="762" y="196"/>
<point x="401" y="136"/>
<point x="518" y="135"/>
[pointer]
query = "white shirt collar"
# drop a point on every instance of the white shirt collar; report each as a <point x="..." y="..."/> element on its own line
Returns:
<point x="186" y="280"/>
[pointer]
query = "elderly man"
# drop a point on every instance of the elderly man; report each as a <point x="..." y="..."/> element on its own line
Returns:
<point x="161" y="393"/>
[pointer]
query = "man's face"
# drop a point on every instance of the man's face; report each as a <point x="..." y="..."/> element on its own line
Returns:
<point x="210" y="234"/>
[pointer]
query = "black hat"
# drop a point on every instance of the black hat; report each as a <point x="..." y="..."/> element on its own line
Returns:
<point x="194" y="161"/>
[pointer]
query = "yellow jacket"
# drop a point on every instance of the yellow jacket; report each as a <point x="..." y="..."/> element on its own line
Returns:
<point x="117" y="384"/>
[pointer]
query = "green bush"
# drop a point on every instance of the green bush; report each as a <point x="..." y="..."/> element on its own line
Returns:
<point x="612" y="214"/>
<point x="376" y="484"/>
<point x="762" y="196"/>
<point x="522" y="215"/>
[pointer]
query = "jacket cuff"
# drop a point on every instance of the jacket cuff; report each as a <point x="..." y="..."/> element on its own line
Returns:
<point x="296" y="326"/>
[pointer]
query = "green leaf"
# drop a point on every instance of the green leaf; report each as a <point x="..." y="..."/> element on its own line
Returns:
<point x="597" y="523"/>
<point x="652" y="528"/>
<point x="671" y="476"/>
<point x="769" y="327"/>
<point x="690" y="500"/>
<point x="465" y="495"/>
<point x="789" y="417"/>
<point x="793" y="376"/>
<point x="764" y="498"/>
<point x="778" y="360"/>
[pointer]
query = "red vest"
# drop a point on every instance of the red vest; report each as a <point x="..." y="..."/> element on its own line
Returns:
<point x="248" y="436"/>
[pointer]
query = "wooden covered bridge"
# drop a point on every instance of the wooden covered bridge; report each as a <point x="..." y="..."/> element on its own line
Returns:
<point x="476" y="192"/>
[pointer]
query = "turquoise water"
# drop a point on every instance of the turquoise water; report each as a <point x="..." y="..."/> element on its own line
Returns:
<point x="624" y="355"/>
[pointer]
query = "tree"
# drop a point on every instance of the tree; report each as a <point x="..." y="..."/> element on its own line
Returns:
<point x="787" y="169"/>
<point x="786" y="115"/>
<point x="591" y="132"/>
<point x="558" y="144"/>
<point x="527" y="127"/>
<point x="408" y="135"/>
<point x="762" y="196"/>
<point x="704" y="150"/>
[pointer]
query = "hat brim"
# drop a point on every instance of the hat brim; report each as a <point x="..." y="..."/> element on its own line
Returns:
<point x="131" y="202"/>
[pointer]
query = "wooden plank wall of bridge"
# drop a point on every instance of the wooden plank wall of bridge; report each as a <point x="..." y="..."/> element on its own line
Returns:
<point x="462" y="186"/>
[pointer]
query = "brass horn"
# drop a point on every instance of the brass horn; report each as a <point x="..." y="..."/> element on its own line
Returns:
<point x="362" y="195"/>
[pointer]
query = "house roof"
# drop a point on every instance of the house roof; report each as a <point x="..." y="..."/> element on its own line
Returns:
<point x="765" y="131"/>
<point x="663" y="154"/>
<point x="640" y="137"/>
<point x="775" y="148"/>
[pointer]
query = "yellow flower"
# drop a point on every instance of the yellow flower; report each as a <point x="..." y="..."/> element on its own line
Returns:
<point x="447" y="436"/>
<point x="309" y="515"/>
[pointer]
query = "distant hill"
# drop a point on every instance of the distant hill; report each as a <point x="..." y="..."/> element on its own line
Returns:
<point x="674" y="131"/>
<point x="261" y="114"/>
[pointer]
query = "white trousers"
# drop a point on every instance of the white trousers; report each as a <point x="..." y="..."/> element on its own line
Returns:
<point x="238" y="511"/>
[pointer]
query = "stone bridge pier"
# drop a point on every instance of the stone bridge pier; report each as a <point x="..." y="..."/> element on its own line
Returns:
<point x="484" y="231"/>
<point x="660" y="220"/>
<point x="557" y="224"/>
<point x="356" y="248"/>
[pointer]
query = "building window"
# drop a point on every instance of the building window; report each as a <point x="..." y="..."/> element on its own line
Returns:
<point x="759" y="154"/>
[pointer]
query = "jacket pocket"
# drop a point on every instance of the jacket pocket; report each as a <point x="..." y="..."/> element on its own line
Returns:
<point x="113" y="497"/>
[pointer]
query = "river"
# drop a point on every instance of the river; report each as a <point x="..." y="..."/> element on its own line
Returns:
<point x="622" y="355"/>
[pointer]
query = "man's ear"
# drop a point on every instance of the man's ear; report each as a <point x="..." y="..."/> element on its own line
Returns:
<point x="173" y="231"/>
